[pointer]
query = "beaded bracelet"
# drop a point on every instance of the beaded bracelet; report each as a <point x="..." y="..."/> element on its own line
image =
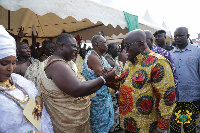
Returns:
<point x="103" y="79"/>
<point x="31" y="131"/>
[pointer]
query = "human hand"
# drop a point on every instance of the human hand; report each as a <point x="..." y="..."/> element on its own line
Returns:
<point x="39" y="132"/>
<point x="37" y="111"/>
<point x="21" y="32"/>
<point x="105" y="71"/>
<point x="34" y="31"/>
<point x="108" y="74"/>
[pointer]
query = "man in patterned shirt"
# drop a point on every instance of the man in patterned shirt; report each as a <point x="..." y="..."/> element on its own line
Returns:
<point x="147" y="90"/>
<point x="163" y="52"/>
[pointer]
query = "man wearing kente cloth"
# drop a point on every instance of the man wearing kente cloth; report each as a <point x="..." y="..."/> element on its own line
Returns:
<point x="101" y="109"/>
<point x="147" y="92"/>
<point x="65" y="95"/>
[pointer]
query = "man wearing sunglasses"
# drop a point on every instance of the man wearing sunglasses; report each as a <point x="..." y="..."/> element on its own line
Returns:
<point x="147" y="89"/>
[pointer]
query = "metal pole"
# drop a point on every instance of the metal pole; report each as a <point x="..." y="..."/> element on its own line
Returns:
<point x="8" y="19"/>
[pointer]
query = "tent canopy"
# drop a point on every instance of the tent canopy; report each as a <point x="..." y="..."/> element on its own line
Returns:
<point x="51" y="16"/>
<point x="148" y="21"/>
<point x="78" y="17"/>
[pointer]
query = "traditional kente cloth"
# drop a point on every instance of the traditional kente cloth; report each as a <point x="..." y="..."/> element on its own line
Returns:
<point x="68" y="114"/>
<point x="79" y="63"/>
<point x="33" y="73"/>
<point x="101" y="109"/>
<point x="146" y="94"/>
<point x="118" y="66"/>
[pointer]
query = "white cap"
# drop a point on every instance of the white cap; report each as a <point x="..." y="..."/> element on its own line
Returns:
<point x="7" y="44"/>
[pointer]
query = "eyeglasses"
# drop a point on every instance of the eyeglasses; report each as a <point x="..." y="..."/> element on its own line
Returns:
<point x="127" y="45"/>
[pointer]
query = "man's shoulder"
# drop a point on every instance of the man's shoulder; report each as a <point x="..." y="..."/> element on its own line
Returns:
<point x="169" y="48"/>
<point x="156" y="55"/>
<point x="195" y="47"/>
<point x="159" y="58"/>
<point x="160" y="50"/>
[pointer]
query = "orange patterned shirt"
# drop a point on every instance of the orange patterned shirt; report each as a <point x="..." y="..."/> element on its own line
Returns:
<point x="146" y="94"/>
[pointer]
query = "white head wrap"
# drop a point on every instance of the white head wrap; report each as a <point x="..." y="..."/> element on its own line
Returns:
<point x="7" y="44"/>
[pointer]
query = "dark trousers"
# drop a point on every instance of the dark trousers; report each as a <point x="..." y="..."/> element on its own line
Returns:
<point x="192" y="107"/>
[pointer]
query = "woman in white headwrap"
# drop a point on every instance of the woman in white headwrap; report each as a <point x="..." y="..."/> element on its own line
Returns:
<point x="15" y="91"/>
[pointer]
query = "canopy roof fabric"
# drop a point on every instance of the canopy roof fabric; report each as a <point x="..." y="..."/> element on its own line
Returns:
<point x="146" y="20"/>
<point x="51" y="16"/>
<point x="78" y="17"/>
<point x="79" y="9"/>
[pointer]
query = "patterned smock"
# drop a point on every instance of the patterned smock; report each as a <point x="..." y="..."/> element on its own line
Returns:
<point x="168" y="56"/>
<point x="101" y="109"/>
<point x="146" y="94"/>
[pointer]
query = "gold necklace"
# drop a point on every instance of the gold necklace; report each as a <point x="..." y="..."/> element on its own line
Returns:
<point x="7" y="85"/>
<point x="16" y="100"/>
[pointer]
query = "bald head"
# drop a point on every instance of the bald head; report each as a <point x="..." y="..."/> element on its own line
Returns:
<point x="181" y="37"/>
<point x="136" y="43"/>
<point x="136" y="35"/>
<point x="182" y="29"/>
<point x="149" y="38"/>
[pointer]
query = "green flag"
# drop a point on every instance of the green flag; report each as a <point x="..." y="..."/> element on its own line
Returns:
<point x="132" y="21"/>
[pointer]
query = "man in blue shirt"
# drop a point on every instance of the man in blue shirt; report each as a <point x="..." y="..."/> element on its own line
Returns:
<point x="187" y="62"/>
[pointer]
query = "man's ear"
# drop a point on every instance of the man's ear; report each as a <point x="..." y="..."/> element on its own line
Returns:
<point x="151" y="40"/>
<point x="142" y="46"/>
<point x="97" y="45"/>
<point x="188" y="35"/>
<point x="61" y="46"/>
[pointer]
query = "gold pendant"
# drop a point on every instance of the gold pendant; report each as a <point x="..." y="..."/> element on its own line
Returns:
<point x="5" y="84"/>
<point x="12" y="88"/>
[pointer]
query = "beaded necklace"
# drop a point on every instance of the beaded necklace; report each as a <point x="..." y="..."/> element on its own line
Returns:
<point x="45" y="55"/>
<point x="110" y="57"/>
<point x="17" y="101"/>
<point x="99" y="57"/>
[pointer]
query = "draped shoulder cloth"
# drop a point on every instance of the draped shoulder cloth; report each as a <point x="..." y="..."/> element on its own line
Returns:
<point x="68" y="114"/>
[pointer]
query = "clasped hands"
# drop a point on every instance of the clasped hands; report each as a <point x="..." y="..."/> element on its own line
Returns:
<point x="108" y="74"/>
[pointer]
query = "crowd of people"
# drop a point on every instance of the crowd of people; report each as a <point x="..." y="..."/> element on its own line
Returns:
<point x="137" y="87"/>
